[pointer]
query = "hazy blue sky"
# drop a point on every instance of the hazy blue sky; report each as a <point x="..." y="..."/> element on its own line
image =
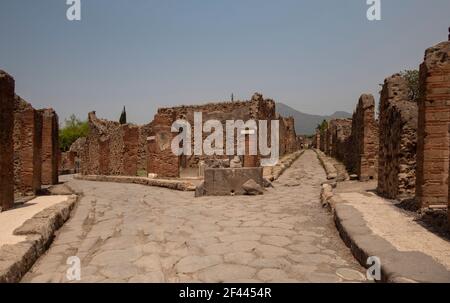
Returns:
<point x="317" y="56"/>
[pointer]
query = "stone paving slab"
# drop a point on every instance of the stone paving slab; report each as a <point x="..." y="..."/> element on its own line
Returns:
<point x="133" y="233"/>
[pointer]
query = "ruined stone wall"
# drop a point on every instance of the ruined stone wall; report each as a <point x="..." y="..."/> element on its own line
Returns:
<point x="50" y="146"/>
<point x="110" y="148"/>
<point x="341" y="139"/>
<point x="27" y="148"/>
<point x="67" y="163"/>
<point x="364" y="156"/>
<point x="257" y="108"/>
<point x="7" y="87"/>
<point x="398" y="140"/>
<point x="434" y="117"/>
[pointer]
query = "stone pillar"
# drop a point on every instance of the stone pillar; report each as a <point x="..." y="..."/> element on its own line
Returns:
<point x="251" y="160"/>
<point x="6" y="141"/>
<point x="434" y="117"/>
<point x="50" y="146"/>
<point x="160" y="159"/>
<point x="131" y="147"/>
<point x="365" y="139"/>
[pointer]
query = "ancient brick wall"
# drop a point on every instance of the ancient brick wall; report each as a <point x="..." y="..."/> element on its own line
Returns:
<point x="50" y="146"/>
<point x="398" y="140"/>
<point x="434" y="117"/>
<point x="110" y="148"/>
<point x="364" y="154"/>
<point x="341" y="139"/>
<point x="27" y="148"/>
<point x="7" y="87"/>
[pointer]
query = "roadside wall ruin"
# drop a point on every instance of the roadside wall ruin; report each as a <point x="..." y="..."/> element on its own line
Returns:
<point x="398" y="140"/>
<point x="7" y="87"/>
<point x="434" y="117"/>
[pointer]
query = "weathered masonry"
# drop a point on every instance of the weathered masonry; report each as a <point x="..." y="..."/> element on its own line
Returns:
<point x="434" y="117"/>
<point x="364" y="156"/>
<point x="341" y="136"/>
<point x="398" y="140"/>
<point x="110" y="148"/>
<point x="50" y="153"/>
<point x="7" y="87"/>
<point x="27" y="148"/>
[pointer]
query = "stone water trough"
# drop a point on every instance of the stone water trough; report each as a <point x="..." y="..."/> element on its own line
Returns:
<point x="231" y="182"/>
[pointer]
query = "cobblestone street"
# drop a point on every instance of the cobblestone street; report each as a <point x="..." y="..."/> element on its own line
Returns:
<point x="134" y="233"/>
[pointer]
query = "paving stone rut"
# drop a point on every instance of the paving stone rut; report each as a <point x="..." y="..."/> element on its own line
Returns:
<point x="134" y="233"/>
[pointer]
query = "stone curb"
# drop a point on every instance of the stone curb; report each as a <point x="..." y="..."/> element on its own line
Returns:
<point x="327" y="165"/>
<point x="17" y="259"/>
<point x="396" y="266"/>
<point x="170" y="184"/>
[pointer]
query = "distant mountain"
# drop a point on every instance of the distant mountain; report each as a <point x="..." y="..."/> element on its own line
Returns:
<point x="305" y="124"/>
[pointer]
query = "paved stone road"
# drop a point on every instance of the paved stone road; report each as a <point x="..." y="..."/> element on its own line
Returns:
<point x="132" y="233"/>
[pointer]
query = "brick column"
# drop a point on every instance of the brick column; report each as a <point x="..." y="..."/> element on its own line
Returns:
<point x="27" y="147"/>
<point x="160" y="159"/>
<point x="434" y="117"/>
<point x="6" y="141"/>
<point x="50" y="146"/>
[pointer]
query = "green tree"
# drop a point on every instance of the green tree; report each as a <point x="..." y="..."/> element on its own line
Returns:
<point x="72" y="130"/>
<point x="123" y="116"/>
<point x="322" y="126"/>
<point x="412" y="77"/>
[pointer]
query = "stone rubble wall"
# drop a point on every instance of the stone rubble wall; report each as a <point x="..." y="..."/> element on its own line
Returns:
<point x="110" y="148"/>
<point x="50" y="146"/>
<point x="7" y="87"/>
<point x="434" y="117"/>
<point x="398" y="140"/>
<point x="27" y="148"/>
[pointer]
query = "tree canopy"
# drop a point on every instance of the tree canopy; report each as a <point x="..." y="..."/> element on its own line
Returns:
<point x="73" y="129"/>
<point x="412" y="77"/>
